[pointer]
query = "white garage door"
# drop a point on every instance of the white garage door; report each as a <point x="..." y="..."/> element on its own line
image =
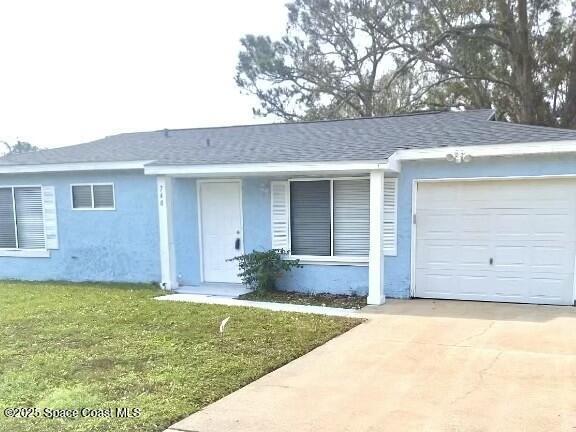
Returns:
<point x="507" y="241"/>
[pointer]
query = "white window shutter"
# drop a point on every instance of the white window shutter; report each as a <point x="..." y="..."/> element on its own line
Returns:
<point x="389" y="230"/>
<point x="50" y="217"/>
<point x="280" y="214"/>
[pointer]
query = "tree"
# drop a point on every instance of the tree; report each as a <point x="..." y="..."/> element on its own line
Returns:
<point x="343" y="58"/>
<point x="20" y="147"/>
<point x="327" y="65"/>
<point x="511" y="49"/>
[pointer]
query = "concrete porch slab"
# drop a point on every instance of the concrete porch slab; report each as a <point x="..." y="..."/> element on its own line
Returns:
<point x="215" y="289"/>
<point x="278" y="307"/>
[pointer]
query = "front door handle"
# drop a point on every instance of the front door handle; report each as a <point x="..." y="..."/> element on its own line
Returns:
<point x="237" y="244"/>
<point x="491" y="261"/>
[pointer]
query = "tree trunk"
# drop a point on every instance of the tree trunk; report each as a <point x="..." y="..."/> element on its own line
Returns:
<point x="531" y="100"/>
<point x="569" y="115"/>
<point x="531" y="107"/>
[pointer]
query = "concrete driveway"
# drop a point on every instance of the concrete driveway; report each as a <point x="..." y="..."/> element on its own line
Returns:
<point x="420" y="365"/>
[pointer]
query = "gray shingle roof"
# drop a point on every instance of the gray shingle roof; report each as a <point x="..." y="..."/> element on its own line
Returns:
<point x="356" y="139"/>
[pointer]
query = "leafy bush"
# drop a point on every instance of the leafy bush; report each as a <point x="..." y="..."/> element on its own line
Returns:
<point x="260" y="270"/>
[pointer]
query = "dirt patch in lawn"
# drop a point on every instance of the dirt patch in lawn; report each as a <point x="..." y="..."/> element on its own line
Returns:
<point x="324" y="299"/>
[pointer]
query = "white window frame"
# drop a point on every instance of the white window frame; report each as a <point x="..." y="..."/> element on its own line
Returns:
<point x="113" y="208"/>
<point x="328" y="259"/>
<point x="18" y="252"/>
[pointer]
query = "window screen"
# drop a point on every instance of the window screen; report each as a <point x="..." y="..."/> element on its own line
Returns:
<point x="90" y="197"/>
<point x="103" y="196"/>
<point x="7" y="219"/>
<point x="310" y="218"/>
<point x="351" y="217"/>
<point x="21" y="218"/>
<point x="82" y="197"/>
<point x="29" y="218"/>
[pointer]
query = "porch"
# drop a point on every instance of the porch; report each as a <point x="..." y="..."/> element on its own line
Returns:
<point x="207" y="218"/>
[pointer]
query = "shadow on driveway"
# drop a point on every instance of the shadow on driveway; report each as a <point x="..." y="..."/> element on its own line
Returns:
<point x="472" y="310"/>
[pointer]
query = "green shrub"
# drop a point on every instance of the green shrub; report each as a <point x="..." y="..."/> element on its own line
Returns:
<point x="260" y="270"/>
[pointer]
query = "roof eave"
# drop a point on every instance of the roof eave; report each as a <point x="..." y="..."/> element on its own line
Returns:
<point x="391" y="164"/>
<point x="491" y="150"/>
<point x="265" y="168"/>
<point x="72" y="166"/>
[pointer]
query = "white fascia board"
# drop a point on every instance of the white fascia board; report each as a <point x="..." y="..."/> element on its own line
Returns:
<point x="264" y="168"/>
<point x="82" y="166"/>
<point x="515" y="149"/>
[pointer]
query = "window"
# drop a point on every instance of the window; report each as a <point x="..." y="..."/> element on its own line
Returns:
<point x="351" y="202"/>
<point x="93" y="197"/>
<point x="330" y="217"/>
<point x="310" y="218"/>
<point x="21" y="218"/>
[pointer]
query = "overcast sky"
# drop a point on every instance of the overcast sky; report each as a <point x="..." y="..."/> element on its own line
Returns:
<point x="72" y="71"/>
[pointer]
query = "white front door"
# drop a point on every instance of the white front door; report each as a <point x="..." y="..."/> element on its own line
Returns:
<point x="221" y="229"/>
<point x="511" y="241"/>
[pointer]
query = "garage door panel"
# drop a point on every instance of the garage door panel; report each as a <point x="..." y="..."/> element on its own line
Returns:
<point x="509" y="286"/>
<point x="511" y="225"/>
<point x="546" y="258"/>
<point x="528" y="228"/>
<point x="545" y="221"/>
<point x="521" y="190"/>
<point x="549" y="290"/>
<point x="453" y="226"/>
<point x="437" y="283"/>
<point x="438" y="196"/>
<point x="473" y="282"/>
<point x="511" y="257"/>
<point x="442" y="255"/>
<point x="437" y="254"/>
<point x="474" y="225"/>
<point x="439" y="225"/>
<point x="472" y="255"/>
<point x="552" y="227"/>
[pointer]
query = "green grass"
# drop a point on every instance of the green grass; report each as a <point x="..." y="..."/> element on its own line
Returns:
<point x="108" y="346"/>
<point x="329" y="300"/>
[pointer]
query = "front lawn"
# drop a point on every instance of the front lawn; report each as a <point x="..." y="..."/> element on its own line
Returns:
<point x="113" y="346"/>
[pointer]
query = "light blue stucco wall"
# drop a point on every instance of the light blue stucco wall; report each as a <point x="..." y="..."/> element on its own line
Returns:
<point x="119" y="245"/>
<point x="335" y="279"/>
<point x="186" y="231"/>
<point x="123" y="245"/>
<point x="256" y="214"/>
<point x="397" y="269"/>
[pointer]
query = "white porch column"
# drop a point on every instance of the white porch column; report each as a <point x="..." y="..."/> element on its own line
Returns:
<point x="376" y="255"/>
<point x="167" y="257"/>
